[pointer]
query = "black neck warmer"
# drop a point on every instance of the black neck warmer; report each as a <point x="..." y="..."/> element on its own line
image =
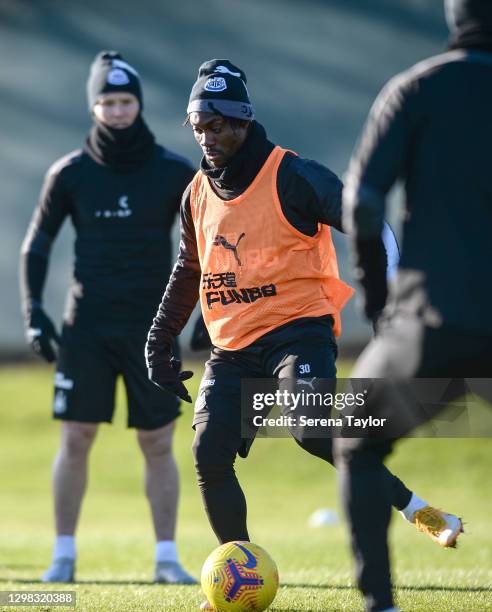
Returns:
<point x="234" y="178"/>
<point x="122" y="150"/>
<point x="472" y="36"/>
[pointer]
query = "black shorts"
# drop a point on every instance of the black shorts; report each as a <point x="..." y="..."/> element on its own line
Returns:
<point x="85" y="380"/>
<point x="305" y="348"/>
<point x="406" y="349"/>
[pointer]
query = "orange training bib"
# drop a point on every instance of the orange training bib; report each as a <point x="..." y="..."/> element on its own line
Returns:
<point x="258" y="271"/>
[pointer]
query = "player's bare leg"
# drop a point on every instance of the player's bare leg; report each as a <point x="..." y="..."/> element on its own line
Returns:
<point x="162" y="489"/>
<point x="69" y="484"/>
<point x="161" y="479"/>
<point x="70" y="473"/>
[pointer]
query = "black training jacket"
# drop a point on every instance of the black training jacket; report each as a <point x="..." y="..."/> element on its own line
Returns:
<point x="431" y="127"/>
<point x="122" y="225"/>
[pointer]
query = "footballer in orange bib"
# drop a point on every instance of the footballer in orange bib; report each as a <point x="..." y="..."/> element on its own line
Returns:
<point x="256" y="250"/>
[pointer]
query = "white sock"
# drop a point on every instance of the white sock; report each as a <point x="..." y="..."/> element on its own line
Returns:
<point x="415" y="504"/>
<point x="166" y="550"/>
<point x="390" y="609"/>
<point x="64" y="547"/>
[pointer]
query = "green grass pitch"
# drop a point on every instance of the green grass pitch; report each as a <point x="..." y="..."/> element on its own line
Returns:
<point x="283" y="486"/>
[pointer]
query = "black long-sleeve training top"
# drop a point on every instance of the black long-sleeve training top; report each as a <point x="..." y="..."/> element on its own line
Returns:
<point x="309" y="194"/>
<point x="431" y="127"/>
<point x="122" y="222"/>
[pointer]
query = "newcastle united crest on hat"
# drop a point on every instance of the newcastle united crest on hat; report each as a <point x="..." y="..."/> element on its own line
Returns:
<point x="117" y="77"/>
<point x="221" y="88"/>
<point x="110" y="73"/>
<point x="215" y="84"/>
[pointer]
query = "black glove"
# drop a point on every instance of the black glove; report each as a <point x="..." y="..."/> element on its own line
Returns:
<point x="168" y="377"/>
<point x="41" y="334"/>
<point x="200" y="339"/>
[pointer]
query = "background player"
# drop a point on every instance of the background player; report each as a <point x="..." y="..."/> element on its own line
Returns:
<point x="122" y="193"/>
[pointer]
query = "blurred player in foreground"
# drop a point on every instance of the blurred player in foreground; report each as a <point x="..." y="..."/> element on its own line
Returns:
<point x="122" y="193"/>
<point x="256" y="249"/>
<point x="431" y="127"/>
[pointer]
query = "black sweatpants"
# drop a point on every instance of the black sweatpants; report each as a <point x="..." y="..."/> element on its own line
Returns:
<point x="303" y="349"/>
<point x="405" y="348"/>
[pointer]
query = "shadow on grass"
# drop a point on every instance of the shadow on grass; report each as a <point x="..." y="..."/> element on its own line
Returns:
<point x="398" y="587"/>
<point x="433" y="587"/>
<point x="294" y="585"/>
<point x="97" y="582"/>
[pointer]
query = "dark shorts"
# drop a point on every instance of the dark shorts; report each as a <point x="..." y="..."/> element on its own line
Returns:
<point x="407" y="349"/>
<point x="85" y="380"/>
<point x="305" y="348"/>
